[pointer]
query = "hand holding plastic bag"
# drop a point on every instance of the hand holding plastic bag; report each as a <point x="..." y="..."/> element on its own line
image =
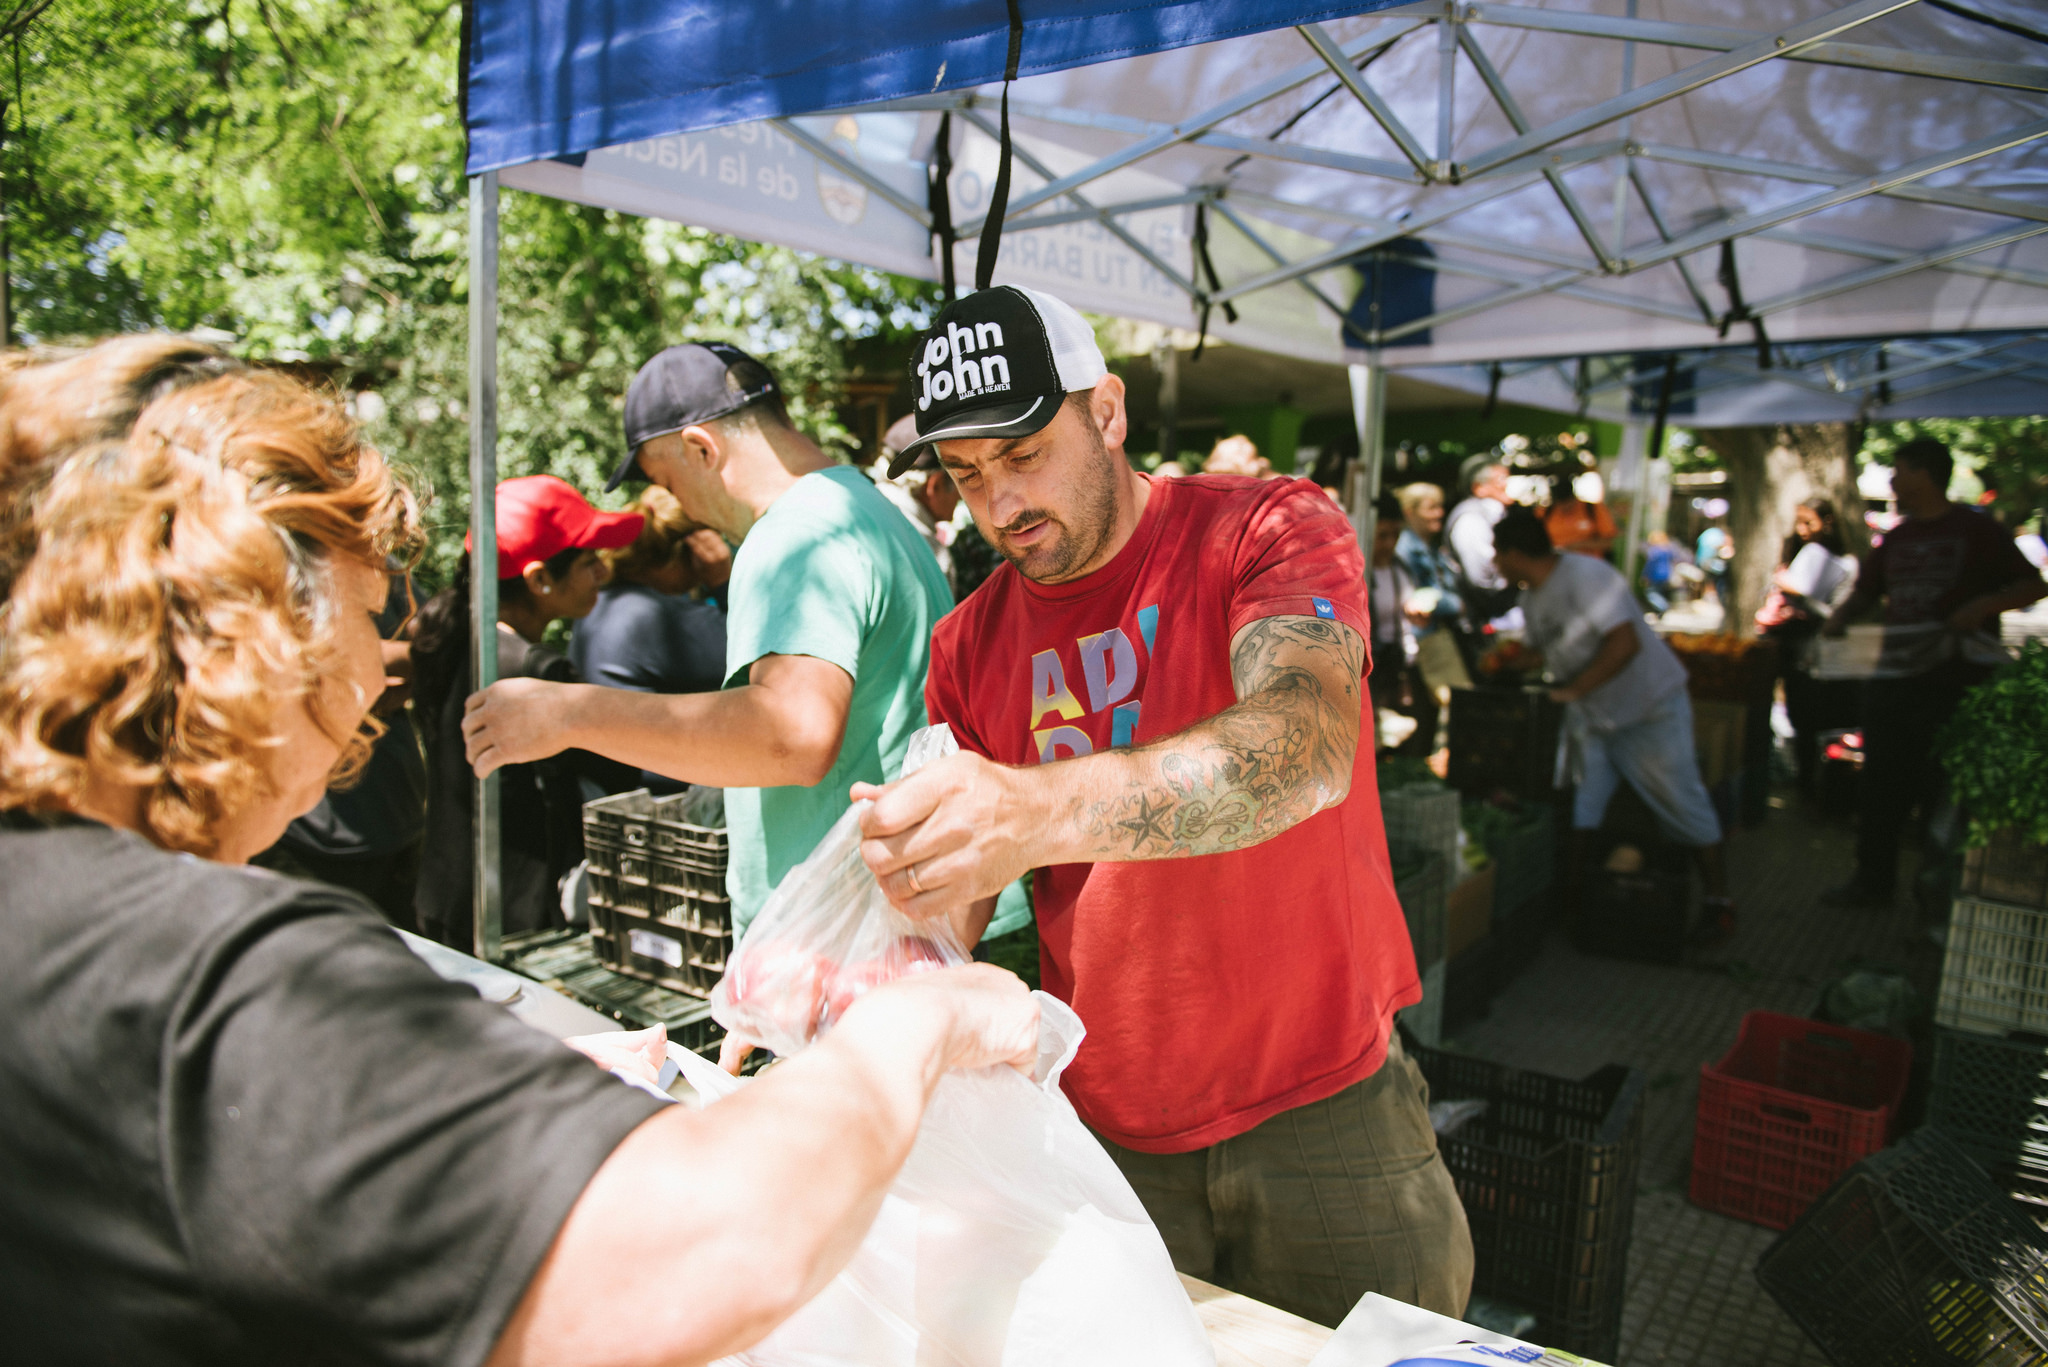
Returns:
<point x="827" y="935"/>
<point x="1009" y="1238"/>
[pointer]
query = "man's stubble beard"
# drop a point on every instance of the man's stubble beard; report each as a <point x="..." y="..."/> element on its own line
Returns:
<point x="1082" y="539"/>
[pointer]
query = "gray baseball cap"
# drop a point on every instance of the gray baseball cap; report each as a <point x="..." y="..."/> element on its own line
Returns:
<point x="683" y="386"/>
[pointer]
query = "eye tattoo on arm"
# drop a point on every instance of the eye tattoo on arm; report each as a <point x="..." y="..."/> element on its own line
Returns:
<point x="1277" y="756"/>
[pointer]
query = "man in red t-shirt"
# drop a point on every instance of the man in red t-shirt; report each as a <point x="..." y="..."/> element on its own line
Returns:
<point x="1944" y="575"/>
<point x="1159" y="701"/>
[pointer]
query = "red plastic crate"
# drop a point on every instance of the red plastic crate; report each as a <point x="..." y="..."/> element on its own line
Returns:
<point x="1788" y="1110"/>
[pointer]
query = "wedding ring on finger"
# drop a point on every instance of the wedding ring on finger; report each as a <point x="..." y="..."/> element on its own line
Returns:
<point x="915" y="886"/>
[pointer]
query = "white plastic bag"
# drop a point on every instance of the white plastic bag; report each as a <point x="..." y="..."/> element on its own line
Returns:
<point x="826" y="935"/>
<point x="1009" y="1239"/>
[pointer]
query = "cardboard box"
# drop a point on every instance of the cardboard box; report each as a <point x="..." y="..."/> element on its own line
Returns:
<point x="1469" y="911"/>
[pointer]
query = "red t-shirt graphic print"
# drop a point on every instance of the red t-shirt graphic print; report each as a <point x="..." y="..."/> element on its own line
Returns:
<point x="1222" y="989"/>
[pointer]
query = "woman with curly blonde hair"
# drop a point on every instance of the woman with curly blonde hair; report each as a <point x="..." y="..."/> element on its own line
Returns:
<point x="239" y="1122"/>
<point x="54" y="400"/>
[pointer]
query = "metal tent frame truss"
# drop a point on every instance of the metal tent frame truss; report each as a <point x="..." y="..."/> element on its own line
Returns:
<point x="1642" y="252"/>
<point x="1980" y="374"/>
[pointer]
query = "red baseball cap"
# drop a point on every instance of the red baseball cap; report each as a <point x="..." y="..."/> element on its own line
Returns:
<point x="540" y="516"/>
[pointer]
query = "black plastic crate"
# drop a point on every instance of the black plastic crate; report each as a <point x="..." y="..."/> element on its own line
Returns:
<point x="1914" y="1259"/>
<point x="638" y="848"/>
<point x="568" y="961"/>
<point x="1471" y="981"/>
<point x="641" y="945"/>
<point x="1639" y="909"/>
<point x="1524" y="857"/>
<point x="1504" y="740"/>
<point x="1421" y="819"/>
<point x="1518" y="934"/>
<point x="659" y="886"/>
<point x="639" y="820"/>
<point x="1421" y="894"/>
<point x="1990" y="1096"/>
<point x="1547" y="1175"/>
<point x="625" y="876"/>
<point x="641" y="858"/>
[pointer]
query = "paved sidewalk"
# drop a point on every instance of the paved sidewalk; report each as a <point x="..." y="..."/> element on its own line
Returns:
<point x="1693" y="1298"/>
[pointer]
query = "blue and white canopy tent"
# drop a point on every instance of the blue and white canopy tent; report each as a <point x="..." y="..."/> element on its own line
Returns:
<point x="1759" y="210"/>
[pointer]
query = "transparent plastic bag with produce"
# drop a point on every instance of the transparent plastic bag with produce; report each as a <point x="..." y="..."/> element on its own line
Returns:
<point x="1009" y="1238"/>
<point x="827" y="934"/>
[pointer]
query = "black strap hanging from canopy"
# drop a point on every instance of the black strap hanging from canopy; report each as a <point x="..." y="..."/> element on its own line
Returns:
<point x="1738" y="312"/>
<point x="939" y="199"/>
<point x="1208" y="268"/>
<point x="999" y="202"/>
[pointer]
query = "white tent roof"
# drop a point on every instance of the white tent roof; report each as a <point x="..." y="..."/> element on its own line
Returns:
<point x="1574" y="170"/>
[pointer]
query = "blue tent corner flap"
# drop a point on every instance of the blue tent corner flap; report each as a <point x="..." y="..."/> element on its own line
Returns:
<point x="542" y="80"/>
<point x="1646" y="385"/>
<point x="1396" y="285"/>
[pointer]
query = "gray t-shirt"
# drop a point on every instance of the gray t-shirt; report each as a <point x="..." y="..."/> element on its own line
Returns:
<point x="1571" y="613"/>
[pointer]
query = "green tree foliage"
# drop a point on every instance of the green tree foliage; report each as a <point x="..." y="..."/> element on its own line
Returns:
<point x="289" y="174"/>
<point x="2009" y="456"/>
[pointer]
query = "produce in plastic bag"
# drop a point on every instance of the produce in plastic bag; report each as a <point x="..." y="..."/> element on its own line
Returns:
<point x="826" y="935"/>
<point x="1009" y="1238"/>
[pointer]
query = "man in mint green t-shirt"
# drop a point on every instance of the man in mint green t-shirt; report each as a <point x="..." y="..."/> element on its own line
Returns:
<point x="831" y="572"/>
<point x="828" y="632"/>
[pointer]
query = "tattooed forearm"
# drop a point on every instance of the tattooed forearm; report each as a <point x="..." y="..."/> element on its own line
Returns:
<point x="1282" y="753"/>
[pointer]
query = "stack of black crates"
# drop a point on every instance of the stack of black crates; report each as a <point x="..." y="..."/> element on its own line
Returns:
<point x="1990" y="1083"/>
<point x="1914" y="1260"/>
<point x="1503" y="749"/>
<point x="1547" y="1175"/>
<point x="658" y="909"/>
<point x="1421" y="822"/>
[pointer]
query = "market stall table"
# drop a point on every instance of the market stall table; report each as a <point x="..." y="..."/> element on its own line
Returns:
<point x="1249" y="1333"/>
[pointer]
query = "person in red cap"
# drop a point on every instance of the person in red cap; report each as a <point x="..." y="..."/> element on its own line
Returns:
<point x="548" y="571"/>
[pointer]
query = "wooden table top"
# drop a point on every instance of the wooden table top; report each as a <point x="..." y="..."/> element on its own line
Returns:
<point x="1249" y="1333"/>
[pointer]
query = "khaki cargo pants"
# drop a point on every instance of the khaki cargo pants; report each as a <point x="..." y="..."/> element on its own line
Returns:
<point x="1316" y="1206"/>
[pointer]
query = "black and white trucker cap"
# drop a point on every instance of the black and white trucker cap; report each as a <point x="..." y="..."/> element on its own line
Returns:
<point x="997" y="364"/>
<point x="685" y="385"/>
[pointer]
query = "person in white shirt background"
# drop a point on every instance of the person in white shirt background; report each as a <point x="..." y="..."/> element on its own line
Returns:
<point x="1626" y="709"/>
<point x="922" y="493"/>
<point x="1817" y="574"/>
<point x="1399" y="694"/>
<point x="1468" y="532"/>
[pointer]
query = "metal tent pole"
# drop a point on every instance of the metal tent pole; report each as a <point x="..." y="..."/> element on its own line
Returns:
<point x="483" y="487"/>
<point x="1369" y="412"/>
<point x="1166" y="363"/>
<point x="1635" y="457"/>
